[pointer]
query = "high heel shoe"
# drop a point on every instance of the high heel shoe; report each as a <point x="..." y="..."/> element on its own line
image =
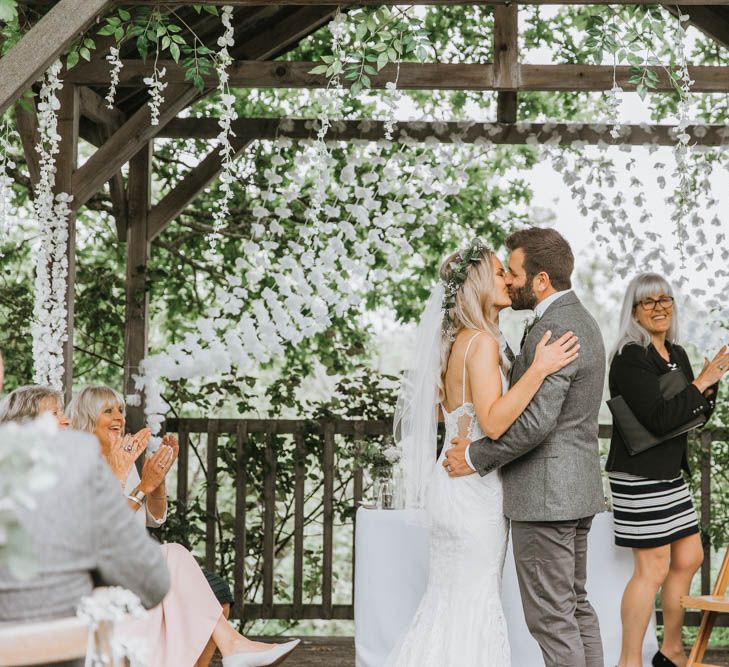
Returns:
<point x="269" y="658"/>
<point x="660" y="660"/>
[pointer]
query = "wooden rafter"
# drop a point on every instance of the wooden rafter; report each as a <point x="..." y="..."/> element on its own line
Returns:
<point x="97" y="135"/>
<point x="27" y="124"/>
<point x="564" y="134"/>
<point x="712" y="21"/>
<point x="126" y="142"/>
<point x="420" y="76"/>
<point x="95" y="108"/>
<point x="26" y="61"/>
<point x="136" y="132"/>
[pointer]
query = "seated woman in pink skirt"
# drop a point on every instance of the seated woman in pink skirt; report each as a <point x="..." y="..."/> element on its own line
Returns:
<point x="190" y="616"/>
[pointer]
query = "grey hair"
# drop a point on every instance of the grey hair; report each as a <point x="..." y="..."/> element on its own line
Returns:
<point x="24" y="403"/>
<point x="630" y="331"/>
<point x="86" y="406"/>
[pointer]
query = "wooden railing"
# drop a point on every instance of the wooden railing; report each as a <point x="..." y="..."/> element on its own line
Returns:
<point x="253" y="452"/>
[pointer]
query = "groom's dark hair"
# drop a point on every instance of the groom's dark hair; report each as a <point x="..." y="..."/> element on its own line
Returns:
<point x="545" y="250"/>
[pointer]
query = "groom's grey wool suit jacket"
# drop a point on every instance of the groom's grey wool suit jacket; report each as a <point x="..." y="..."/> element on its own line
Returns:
<point x="549" y="458"/>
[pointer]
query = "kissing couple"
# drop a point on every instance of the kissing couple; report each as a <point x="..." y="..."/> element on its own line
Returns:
<point x="521" y="447"/>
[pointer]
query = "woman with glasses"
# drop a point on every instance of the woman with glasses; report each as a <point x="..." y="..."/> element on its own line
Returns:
<point x="653" y="511"/>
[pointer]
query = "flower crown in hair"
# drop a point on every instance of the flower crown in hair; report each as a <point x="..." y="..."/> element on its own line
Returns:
<point x="471" y="254"/>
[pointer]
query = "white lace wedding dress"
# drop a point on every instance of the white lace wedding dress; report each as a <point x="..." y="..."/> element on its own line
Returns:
<point x="460" y="620"/>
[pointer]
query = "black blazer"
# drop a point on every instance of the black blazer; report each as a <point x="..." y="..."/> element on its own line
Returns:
<point x="634" y="375"/>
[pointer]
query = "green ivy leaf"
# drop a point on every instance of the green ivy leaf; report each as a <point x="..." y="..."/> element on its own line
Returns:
<point x="72" y="60"/>
<point x="143" y="47"/>
<point x="85" y="53"/>
<point x="124" y="15"/>
<point x="175" y="52"/>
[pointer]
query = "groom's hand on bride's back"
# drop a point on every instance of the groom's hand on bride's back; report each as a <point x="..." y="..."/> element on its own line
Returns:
<point x="455" y="461"/>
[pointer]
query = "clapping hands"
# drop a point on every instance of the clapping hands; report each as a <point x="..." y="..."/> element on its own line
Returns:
<point x="713" y="370"/>
<point x="158" y="465"/>
<point x="125" y="450"/>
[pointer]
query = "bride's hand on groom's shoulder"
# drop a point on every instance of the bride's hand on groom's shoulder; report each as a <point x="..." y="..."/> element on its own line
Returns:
<point x="455" y="459"/>
<point x="552" y="357"/>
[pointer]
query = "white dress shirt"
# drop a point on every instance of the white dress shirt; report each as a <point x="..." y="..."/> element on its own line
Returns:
<point x="539" y="311"/>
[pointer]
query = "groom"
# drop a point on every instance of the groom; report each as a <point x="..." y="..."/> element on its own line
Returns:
<point x="549" y="458"/>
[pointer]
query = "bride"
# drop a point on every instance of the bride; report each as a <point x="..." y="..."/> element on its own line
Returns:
<point x="460" y="376"/>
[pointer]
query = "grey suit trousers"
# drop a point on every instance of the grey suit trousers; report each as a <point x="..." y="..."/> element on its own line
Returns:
<point x="551" y="565"/>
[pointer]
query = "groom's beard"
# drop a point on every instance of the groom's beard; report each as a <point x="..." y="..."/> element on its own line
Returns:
<point x="523" y="298"/>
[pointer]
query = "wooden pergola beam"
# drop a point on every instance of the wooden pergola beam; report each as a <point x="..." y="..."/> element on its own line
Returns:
<point x="506" y="61"/>
<point x="26" y="61"/>
<point x="194" y="182"/>
<point x="137" y="131"/>
<point x="710" y="20"/>
<point x="27" y="125"/>
<point x="564" y="134"/>
<point x="126" y="142"/>
<point x="418" y="76"/>
<point x="95" y="108"/>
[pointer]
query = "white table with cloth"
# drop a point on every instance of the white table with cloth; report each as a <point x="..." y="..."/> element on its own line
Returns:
<point x="391" y="573"/>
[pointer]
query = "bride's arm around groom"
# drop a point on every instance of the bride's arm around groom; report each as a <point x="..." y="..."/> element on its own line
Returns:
<point x="553" y="444"/>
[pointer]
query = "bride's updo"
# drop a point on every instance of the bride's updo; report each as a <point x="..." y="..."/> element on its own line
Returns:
<point x="471" y="306"/>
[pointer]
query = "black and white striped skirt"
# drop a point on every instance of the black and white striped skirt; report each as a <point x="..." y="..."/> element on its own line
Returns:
<point x="650" y="513"/>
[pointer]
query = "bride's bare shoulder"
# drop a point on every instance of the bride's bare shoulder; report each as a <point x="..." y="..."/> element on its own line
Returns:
<point x="483" y="341"/>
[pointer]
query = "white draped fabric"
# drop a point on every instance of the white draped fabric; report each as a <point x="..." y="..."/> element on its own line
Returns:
<point x="392" y="570"/>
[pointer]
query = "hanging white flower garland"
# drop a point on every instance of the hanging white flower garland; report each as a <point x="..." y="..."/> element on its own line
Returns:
<point x="317" y="278"/>
<point x="52" y="214"/>
<point x="8" y="136"/>
<point x="228" y="115"/>
<point x="684" y="200"/>
<point x="116" y="67"/>
<point x="156" y="86"/>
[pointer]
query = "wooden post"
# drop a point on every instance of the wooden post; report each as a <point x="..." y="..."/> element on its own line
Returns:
<point x="506" y="61"/>
<point x="137" y="300"/>
<point x="68" y="119"/>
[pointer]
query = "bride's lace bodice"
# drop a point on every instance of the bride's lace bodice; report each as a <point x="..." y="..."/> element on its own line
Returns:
<point x="462" y="420"/>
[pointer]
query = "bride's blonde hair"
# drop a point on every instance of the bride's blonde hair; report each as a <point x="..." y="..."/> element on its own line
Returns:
<point x="472" y="307"/>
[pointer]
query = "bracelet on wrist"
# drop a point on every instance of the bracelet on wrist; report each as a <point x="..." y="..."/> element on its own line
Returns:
<point x="137" y="496"/>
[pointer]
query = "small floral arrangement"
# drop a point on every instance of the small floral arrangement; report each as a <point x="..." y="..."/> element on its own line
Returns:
<point x="26" y="468"/>
<point x="101" y="610"/>
<point x="471" y="254"/>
